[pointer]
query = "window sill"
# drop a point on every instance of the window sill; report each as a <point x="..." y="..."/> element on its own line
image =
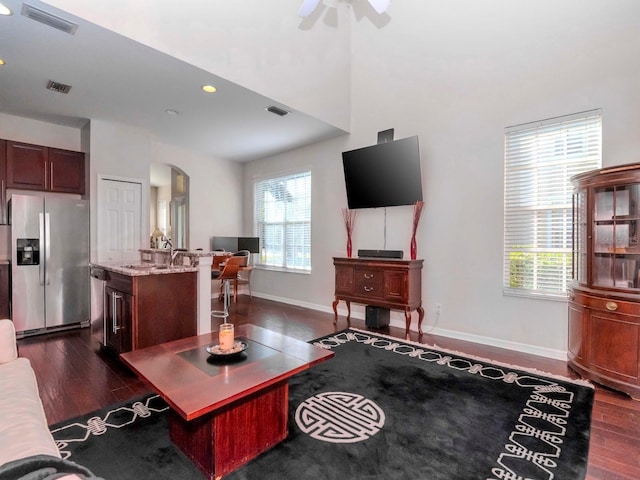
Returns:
<point x="272" y="268"/>
<point x="554" y="297"/>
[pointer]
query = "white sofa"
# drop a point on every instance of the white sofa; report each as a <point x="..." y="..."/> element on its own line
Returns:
<point x="27" y="449"/>
<point x="23" y="425"/>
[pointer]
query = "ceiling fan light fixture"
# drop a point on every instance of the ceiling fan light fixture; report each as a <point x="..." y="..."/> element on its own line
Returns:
<point x="308" y="7"/>
<point x="380" y="6"/>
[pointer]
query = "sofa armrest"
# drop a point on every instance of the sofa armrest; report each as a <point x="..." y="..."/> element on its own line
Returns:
<point x="8" y="348"/>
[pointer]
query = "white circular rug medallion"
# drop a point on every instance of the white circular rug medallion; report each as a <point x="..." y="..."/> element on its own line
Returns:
<point x="339" y="417"/>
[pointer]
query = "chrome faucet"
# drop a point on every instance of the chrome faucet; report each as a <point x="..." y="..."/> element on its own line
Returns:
<point x="172" y="253"/>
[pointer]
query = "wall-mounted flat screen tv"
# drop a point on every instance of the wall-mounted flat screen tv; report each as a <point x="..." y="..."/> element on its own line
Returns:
<point x="383" y="175"/>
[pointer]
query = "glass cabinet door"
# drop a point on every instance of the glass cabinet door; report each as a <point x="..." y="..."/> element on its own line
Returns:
<point x="580" y="237"/>
<point x="615" y="238"/>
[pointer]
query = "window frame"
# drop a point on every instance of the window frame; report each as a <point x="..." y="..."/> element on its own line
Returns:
<point x="286" y="224"/>
<point x="539" y="160"/>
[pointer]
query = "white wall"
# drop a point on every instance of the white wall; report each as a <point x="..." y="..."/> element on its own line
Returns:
<point x="456" y="74"/>
<point x="40" y="133"/>
<point x="215" y="185"/>
<point x="123" y="152"/>
<point x="261" y="45"/>
<point x="215" y="196"/>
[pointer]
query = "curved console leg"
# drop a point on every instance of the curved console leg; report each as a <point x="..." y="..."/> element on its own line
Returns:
<point x="348" y="311"/>
<point x="420" y="318"/>
<point x="335" y="311"/>
<point x="407" y="315"/>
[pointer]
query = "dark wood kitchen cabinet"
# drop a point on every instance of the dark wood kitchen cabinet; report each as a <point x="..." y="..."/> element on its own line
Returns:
<point x="5" y="290"/>
<point x="4" y="217"/>
<point x="117" y="320"/>
<point x="145" y="310"/>
<point x="36" y="167"/>
<point x="381" y="282"/>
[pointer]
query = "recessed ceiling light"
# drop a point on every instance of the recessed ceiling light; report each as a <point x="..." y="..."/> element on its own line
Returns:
<point x="1" y="61"/>
<point x="171" y="112"/>
<point x="4" y="10"/>
<point x="209" y="88"/>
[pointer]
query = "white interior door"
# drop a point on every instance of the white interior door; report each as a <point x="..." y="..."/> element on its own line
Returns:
<point x="119" y="221"/>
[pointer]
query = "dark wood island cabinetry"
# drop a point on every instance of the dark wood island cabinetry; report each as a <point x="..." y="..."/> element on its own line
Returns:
<point x="5" y="290"/>
<point x="145" y="310"/>
<point x="604" y="296"/>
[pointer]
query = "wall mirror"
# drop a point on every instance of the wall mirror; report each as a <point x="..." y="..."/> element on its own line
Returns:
<point x="169" y="206"/>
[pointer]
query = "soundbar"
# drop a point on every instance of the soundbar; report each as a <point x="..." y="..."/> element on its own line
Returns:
<point x="381" y="253"/>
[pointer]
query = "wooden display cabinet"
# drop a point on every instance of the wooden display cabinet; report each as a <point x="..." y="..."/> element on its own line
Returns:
<point x="604" y="296"/>
<point x="381" y="282"/>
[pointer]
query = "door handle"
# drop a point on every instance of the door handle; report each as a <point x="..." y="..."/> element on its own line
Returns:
<point x="41" y="240"/>
<point x="114" y="307"/>
<point x="47" y="246"/>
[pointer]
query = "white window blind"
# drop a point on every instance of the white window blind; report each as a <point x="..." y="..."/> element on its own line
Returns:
<point x="540" y="158"/>
<point x="283" y="221"/>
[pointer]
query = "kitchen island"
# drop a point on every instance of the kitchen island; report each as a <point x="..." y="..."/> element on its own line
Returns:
<point x="148" y="303"/>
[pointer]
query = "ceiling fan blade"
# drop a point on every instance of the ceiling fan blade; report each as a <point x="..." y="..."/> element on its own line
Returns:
<point x="380" y="6"/>
<point x="307" y="7"/>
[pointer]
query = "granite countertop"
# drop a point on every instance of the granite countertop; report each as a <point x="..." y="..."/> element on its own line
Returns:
<point x="143" y="269"/>
<point x="185" y="253"/>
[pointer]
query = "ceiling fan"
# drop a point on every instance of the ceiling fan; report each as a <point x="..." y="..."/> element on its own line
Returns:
<point x="309" y="6"/>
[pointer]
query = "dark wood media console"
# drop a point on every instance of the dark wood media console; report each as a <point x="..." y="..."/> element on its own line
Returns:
<point x="382" y="282"/>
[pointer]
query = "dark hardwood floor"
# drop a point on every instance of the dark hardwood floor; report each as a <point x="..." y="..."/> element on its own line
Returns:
<point x="76" y="377"/>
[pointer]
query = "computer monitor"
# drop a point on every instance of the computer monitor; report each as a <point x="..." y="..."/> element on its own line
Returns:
<point x="249" y="243"/>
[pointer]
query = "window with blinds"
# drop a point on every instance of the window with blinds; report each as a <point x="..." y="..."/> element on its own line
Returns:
<point x="283" y="221"/>
<point x="540" y="158"/>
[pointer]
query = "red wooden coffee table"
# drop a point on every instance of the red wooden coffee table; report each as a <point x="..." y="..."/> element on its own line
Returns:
<point x="226" y="412"/>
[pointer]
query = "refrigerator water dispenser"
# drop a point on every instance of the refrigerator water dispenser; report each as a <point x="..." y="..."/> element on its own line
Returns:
<point x="28" y="251"/>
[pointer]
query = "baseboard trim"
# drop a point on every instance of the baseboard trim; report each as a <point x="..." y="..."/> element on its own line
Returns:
<point x="442" y="332"/>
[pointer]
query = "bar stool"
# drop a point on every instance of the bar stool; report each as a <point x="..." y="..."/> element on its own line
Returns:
<point x="228" y="275"/>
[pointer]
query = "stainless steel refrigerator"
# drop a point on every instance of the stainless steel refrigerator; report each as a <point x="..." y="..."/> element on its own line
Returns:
<point x="49" y="262"/>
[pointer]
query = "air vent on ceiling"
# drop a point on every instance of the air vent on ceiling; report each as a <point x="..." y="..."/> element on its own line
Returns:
<point x="58" y="87"/>
<point x="277" y="110"/>
<point x="47" y="18"/>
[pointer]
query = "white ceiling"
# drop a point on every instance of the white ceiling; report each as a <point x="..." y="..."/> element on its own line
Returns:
<point x="115" y="79"/>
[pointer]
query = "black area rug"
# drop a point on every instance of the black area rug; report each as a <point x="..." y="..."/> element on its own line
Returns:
<point x="381" y="408"/>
